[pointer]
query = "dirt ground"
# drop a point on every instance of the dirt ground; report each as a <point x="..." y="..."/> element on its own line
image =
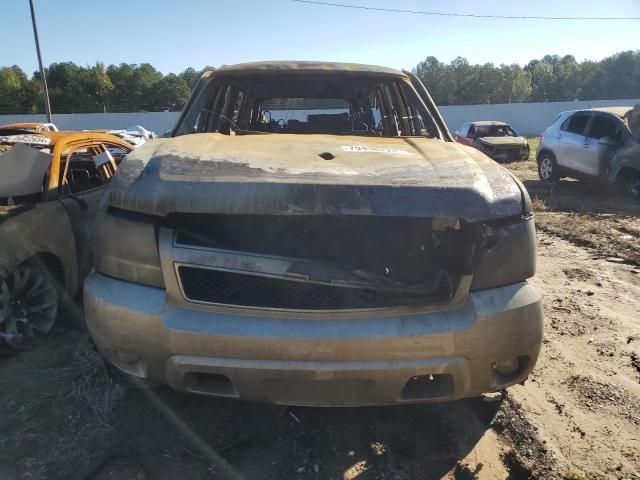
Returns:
<point x="577" y="417"/>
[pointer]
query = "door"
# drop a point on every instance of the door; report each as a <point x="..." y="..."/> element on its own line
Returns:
<point x="85" y="177"/>
<point x="602" y="138"/>
<point x="571" y="138"/>
<point x="82" y="208"/>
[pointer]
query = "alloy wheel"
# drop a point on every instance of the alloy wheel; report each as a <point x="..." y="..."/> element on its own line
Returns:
<point x="28" y="303"/>
<point x="546" y="168"/>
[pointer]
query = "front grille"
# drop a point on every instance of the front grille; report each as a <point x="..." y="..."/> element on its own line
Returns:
<point x="227" y="288"/>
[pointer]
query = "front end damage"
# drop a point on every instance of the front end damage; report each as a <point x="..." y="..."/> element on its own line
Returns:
<point x="623" y="164"/>
<point x="317" y="310"/>
<point x="504" y="149"/>
<point x="324" y="262"/>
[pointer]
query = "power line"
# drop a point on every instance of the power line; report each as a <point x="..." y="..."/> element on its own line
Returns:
<point x="464" y="15"/>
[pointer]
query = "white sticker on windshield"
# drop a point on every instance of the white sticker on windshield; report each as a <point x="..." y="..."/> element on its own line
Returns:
<point x="31" y="139"/>
<point x="363" y="149"/>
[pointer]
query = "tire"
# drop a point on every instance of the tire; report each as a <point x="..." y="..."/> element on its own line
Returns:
<point x="632" y="186"/>
<point x="548" y="168"/>
<point x="29" y="303"/>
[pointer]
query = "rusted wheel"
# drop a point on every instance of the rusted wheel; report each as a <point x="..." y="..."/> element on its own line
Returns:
<point x="28" y="304"/>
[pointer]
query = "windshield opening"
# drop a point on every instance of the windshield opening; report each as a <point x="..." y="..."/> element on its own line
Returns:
<point x="311" y="104"/>
<point x="495" y="131"/>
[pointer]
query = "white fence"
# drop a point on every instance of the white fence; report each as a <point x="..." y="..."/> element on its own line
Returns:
<point x="526" y="118"/>
<point x="158" y="122"/>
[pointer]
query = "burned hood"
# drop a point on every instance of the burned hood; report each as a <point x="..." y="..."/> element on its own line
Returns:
<point x="503" y="141"/>
<point x="288" y="174"/>
<point x="22" y="170"/>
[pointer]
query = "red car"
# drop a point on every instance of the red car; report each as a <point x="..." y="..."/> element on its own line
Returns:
<point x="496" y="139"/>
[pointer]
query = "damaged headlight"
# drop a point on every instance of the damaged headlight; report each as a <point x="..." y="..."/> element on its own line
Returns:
<point x="510" y="257"/>
<point x="126" y="247"/>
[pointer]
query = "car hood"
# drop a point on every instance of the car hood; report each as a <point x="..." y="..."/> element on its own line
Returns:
<point x="314" y="175"/>
<point x="504" y="141"/>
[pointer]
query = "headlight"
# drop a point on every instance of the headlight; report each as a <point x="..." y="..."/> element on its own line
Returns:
<point x="511" y="256"/>
<point x="126" y="247"/>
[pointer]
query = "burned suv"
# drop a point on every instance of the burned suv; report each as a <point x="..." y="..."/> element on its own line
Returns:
<point x="312" y="235"/>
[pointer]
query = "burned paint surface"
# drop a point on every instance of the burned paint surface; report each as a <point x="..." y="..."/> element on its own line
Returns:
<point x="285" y="174"/>
<point x="40" y="223"/>
<point x="307" y="67"/>
<point x="628" y="156"/>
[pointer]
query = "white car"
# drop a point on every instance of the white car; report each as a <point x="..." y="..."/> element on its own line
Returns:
<point x="590" y="144"/>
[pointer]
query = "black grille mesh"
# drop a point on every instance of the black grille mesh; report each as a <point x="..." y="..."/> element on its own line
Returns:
<point x="214" y="286"/>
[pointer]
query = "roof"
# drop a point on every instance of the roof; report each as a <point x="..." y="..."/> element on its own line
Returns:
<point x="618" y="111"/>
<point x="68" y="137"/>
<point x="21" y="125"/>
<point x="307" y="67"/>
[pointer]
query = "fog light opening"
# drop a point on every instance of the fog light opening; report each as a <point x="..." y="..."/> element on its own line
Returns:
<point x="507" y="366"/>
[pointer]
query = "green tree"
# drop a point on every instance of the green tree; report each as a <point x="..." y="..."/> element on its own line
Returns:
<point x="169" y="93"/>
<point x="132" y="87"/>
<point x="190" y="76"/>
<point x="516" y="84"/>
<point x="438" y="78"/>
<point x="131" y="84"/>
<point x="14" y="90"/>
<point x="100" y="84"/>
<point x="542" y="81"/>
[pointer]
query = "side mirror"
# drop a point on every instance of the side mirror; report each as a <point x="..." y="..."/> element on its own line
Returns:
<point x="608" y="141"/>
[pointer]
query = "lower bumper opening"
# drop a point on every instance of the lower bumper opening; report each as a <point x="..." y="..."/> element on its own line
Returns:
<point x="209" y="384"/>
<point x="428" y="386"/>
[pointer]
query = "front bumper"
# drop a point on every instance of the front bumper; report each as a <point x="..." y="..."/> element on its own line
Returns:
<point x="504" y="155"/>
<point x="379" y="359"/>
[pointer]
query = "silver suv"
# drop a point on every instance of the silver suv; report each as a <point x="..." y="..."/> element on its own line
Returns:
<point x="590" y="144"/>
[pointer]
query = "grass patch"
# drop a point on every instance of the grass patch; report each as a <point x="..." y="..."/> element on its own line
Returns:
<point x="533" y="146"/>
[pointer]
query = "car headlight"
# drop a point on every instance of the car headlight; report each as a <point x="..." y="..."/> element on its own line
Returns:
<point x="511" y="255"/>
<point x="126" y="247"/>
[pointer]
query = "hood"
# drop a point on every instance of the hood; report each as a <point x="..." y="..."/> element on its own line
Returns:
<point x="313" y="175"/>
<point x="504" y="141"/>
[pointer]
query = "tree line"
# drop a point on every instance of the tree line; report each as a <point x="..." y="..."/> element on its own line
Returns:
<point x="116" y="88"/>
<point x="550" y="79"/>
<point x="140" y="87"/>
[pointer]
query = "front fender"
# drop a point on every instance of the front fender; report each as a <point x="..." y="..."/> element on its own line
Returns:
<point x="45" y="228"/>
<point x="627" y="157"/>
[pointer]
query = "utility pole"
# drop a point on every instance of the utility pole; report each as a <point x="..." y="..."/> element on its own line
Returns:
<point x="47" y="106"/>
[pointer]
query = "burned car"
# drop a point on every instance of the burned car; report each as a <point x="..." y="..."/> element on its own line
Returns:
<point x="497" y="140"/>
<point x="30" y="126"/>
<point x="312" y="235"/>
<point x="50" y="186"/>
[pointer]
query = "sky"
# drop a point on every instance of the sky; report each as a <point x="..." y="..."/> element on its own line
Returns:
<point x="173" y="35"/>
